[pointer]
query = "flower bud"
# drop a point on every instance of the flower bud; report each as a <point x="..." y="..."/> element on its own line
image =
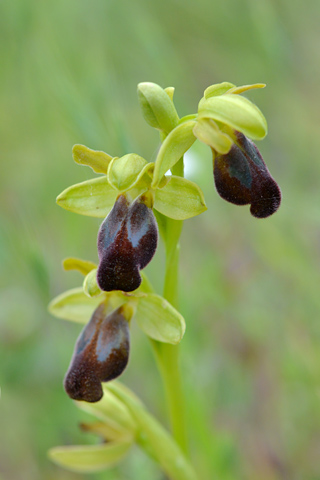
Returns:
<point x="101" y="354"/>
<point x="157" y="107"/>
<point x="127" y="241"/>
<point x="241" y="177"/>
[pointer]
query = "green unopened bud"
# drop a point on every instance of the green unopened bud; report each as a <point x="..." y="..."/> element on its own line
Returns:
<point x="157" y="107"/>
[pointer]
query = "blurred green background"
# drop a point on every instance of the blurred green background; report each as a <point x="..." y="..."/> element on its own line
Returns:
<point x="249" y="288"/>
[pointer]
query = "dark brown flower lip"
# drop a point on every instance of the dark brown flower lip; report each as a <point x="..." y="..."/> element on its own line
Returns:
<point x="242" y="177"/>
<point x="127" y="241"/>
<point x="101" y="354"/>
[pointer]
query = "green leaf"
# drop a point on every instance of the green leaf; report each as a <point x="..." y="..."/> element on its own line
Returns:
<point x="237" y="112"/>
<point x="172" y="149"/>
<point x="90" y="458"/>
<point x="74" y="305"/>
<point x="208" y="132"/>
<point x="158" y="319"/>
<point x="90" y="286"/>
<point x="94" y="198"/>
<point x="125" y="171"/>
<point x="217" y="89"/>
<point x="157" y="107"/>
<point x="155" y="440"/>
<point x="83" y="266"/>
<point x="179" y="199"/>
<point x="98" y="161"/>
<point x="245" y="88"/>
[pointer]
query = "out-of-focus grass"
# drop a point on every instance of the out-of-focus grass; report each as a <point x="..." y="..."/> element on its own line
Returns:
<point x="249" y="289"/>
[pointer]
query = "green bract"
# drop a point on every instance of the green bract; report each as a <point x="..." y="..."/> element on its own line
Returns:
<point x="98" y="161"/>
<point x="173" y="148"/>
<point x="157" y="106"/>
<point x="158" y="319"/>
<point x="179" y="199"/>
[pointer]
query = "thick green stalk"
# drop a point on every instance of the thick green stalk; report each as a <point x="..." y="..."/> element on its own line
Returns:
<point x="168" y="355"/>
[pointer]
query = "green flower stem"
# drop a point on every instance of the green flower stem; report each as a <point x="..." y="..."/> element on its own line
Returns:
<point x="154" y="439"/>
<point x="168" y="355"/>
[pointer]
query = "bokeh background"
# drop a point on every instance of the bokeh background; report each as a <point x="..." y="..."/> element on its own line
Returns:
<point x="249" y="288"/>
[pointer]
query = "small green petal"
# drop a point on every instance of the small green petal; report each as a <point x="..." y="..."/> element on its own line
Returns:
<point x="74" y="305"/>
<point x="159" y="320"/>
<point x="208" y="132"/>
<point x="126" y="171"/>
<point x="172" y="149"/>
<point x="157" y="107"/>
<point x="170" y="91"/>
<point x="98" y="161"/>
<point x="237" y="112"/>
<point x="94" y="198"/>
<point x="217" y="89"/>
<point x="90" y="286"/>
<point x="83" y="266"/>
<point x="245" y="88"/>
<point x="90" y="458"/>
<point x="180" y="199"/>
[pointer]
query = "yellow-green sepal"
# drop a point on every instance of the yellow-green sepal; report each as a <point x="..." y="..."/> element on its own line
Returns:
<point x="157" y="107"/>
<point x="90" y="458"/>
<point x="74" y="305"/>
<point x="207" y="131"/>
<point x="237" y="112"/>
<point x="180" y="199"/>
<point x="82" y="266"/>
<point x="172" y="149"/>
<point x="90" y="286"/>
<point x="98" y="161"/>
<point x="159" y="319"/>
<point x="94" y="198"/>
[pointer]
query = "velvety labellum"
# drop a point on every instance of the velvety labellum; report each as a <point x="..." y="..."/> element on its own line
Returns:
<point x="127" y="241"/>
<point x="101" y="354"/>
<point x="241" y="177"/>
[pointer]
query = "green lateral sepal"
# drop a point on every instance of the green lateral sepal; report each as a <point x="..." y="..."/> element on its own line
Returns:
<point x="94" y="198"/>
<point x="159" y="319"/>
<point x="74" y="305"/>
<point x="179" y="199"/>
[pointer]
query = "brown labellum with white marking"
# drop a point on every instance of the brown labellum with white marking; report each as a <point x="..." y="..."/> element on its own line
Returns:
<point x="101" y="354"/>
<point x="241" y="177"/>
<point x="127" y="241"/>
